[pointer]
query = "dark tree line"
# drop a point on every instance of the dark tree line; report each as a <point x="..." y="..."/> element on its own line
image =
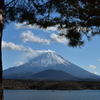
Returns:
<point x="76" y="18"/>
<point x="51" y="84"/>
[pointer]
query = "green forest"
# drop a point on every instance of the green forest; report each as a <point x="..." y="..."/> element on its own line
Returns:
<point x="50" y="85"/>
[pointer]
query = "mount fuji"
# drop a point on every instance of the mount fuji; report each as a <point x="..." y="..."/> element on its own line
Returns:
<point x="49" y="66"/>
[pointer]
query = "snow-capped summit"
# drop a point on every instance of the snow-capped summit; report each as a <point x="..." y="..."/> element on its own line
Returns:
<point x="50" y="60"/>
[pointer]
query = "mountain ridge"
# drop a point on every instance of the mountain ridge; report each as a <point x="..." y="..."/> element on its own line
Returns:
<point x="50" y="60"/>
<point x="49" y="74"/>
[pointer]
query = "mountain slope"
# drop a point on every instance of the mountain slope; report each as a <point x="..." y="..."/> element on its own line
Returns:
<point x="49" y="74"/>
<point x="50" y="60"/>
<point x="54" y="75"/>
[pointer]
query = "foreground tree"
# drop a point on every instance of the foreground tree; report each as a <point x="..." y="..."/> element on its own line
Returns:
<point x="74" y="18"/>
<point x="1" y="29"/>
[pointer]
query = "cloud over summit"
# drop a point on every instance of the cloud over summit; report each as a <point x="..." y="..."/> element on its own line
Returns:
<point x="28" y="54"/>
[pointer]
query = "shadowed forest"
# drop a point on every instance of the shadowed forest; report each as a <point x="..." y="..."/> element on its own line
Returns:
<point x="50" y="85"/>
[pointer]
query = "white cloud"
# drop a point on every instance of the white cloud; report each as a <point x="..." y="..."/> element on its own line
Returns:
<point x="92" y="66"/>
<point x="19" y="63"/>
<point x="51" y="28"/>
<point x="12" y="46"/>
<point x="29" y="36"/>
<point x="95" y="73"/>
<point x="98" y="59"/>
<point x="28" y="53"/>
<point x="59" y="39"/>
<point x="25" y="26"/>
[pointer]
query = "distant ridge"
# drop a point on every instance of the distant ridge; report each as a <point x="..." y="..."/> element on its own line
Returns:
<point x="49" y="62"/>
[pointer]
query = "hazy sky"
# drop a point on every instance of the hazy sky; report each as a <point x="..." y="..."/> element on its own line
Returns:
<point x="21" y="43"/>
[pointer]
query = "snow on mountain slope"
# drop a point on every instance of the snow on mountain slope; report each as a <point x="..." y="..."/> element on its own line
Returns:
<point x="48" y="59"/>
<point x="51" y="60"/>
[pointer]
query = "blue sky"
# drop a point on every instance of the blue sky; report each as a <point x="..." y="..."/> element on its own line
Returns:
<point x="21" y="43"/>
